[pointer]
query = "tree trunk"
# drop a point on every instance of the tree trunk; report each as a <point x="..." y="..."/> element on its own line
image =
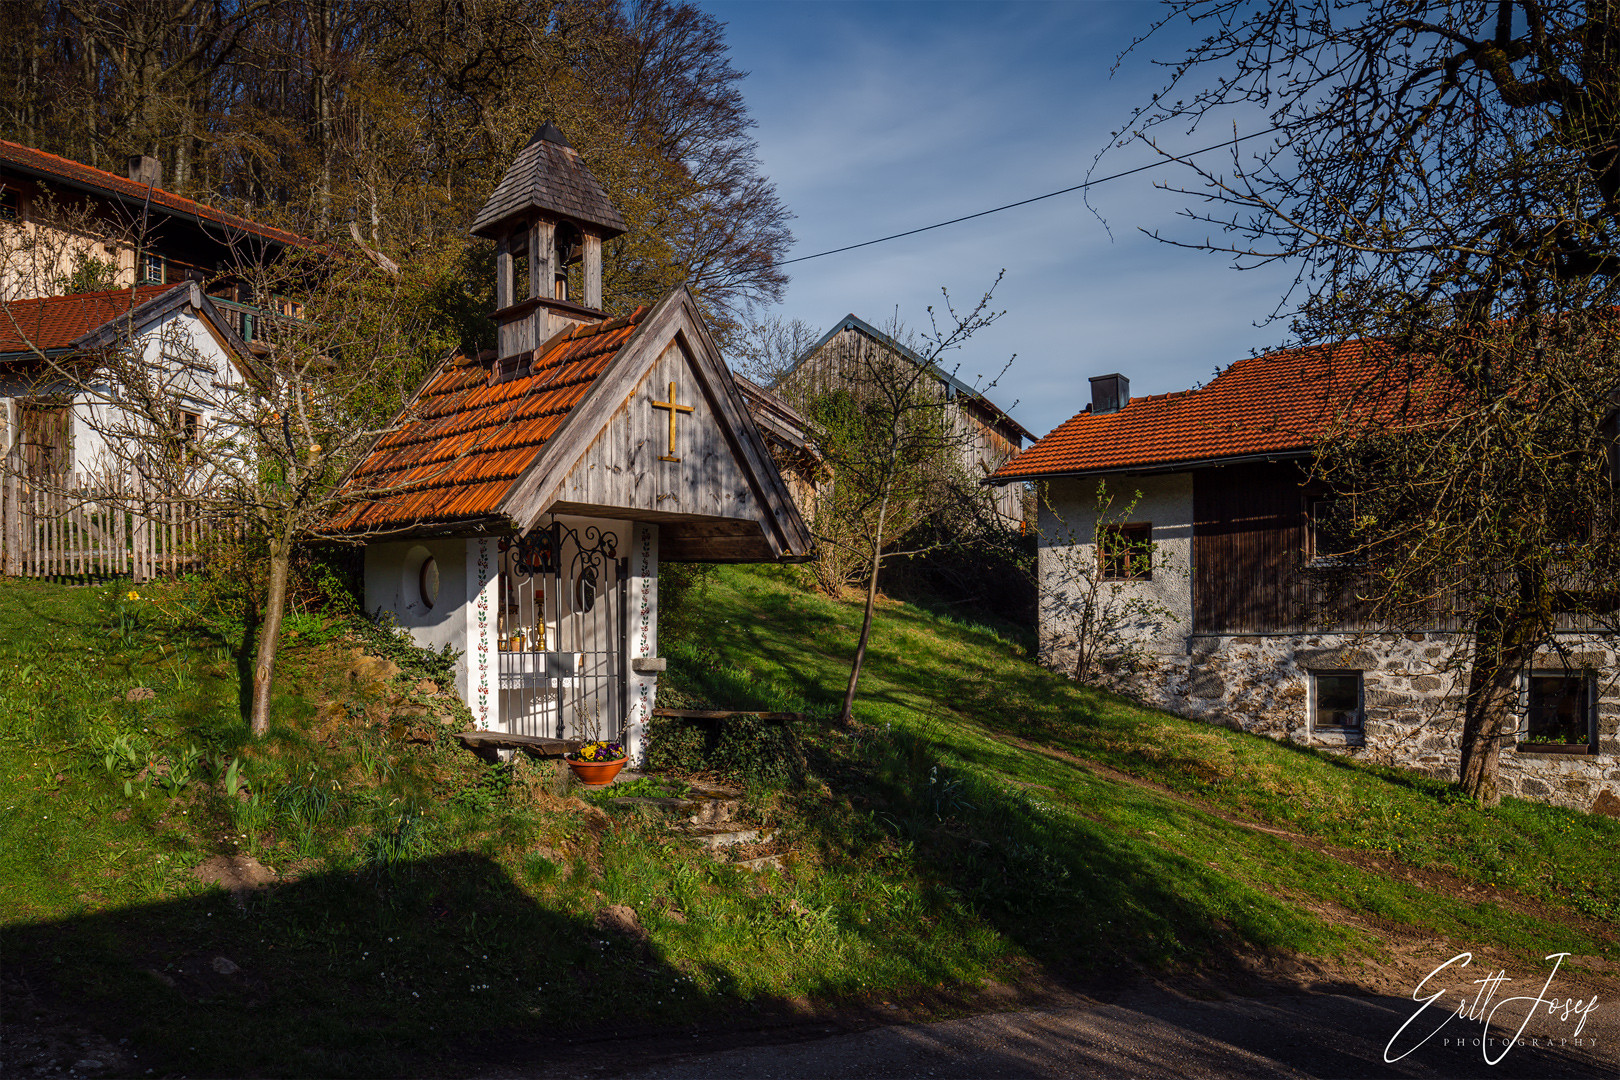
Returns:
<point x="1504" y="643"/>
<point x="846" y="716"/>
<point x="275" y="600"/>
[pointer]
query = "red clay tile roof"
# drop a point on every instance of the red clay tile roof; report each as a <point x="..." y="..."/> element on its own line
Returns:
<point x="101" y="181"/>
<point x="1282" y="403"/>
<point x="464" y="442"/>
<point x="55" y="322"/>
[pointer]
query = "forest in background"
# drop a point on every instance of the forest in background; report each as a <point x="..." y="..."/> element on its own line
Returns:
<point x="401" y="115"/>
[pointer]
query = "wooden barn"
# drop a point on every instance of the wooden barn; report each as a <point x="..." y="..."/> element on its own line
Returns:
<point x="521" y="508"/>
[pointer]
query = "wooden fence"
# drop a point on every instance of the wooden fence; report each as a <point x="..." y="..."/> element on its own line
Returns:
<point x="78" y="526"/>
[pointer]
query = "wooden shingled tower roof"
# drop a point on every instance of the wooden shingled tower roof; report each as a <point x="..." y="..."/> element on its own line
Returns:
<point x="548" y="176"/>
<point x="579" y="431"/>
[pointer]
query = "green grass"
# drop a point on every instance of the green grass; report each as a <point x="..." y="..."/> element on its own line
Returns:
<point x="428" y="900"/>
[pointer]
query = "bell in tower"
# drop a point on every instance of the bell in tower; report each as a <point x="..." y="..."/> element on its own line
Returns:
<point x="548" y="216"/>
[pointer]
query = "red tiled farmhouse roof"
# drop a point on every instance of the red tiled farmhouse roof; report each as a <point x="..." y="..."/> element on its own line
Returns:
<point x="1280" y="403"/>
<point x="75" y="174"/>
<point x="55" y="322"/>
<point x="464" y="442"/>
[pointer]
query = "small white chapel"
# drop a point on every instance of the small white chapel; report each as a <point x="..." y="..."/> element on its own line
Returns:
<point x="520" y="508"/>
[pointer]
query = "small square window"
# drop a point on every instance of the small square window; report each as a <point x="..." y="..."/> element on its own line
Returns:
<point x="1125" y="552"/>
<point x="151" y="268"/>
<point x="10" y="205"/>
<point x="1560" y="707"/>
<point x="1336" y="701"/>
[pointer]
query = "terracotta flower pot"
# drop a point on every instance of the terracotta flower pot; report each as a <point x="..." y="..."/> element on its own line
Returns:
<point x="596" y="773"/>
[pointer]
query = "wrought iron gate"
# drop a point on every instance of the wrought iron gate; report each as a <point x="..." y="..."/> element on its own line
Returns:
<point x="562" y="633"/>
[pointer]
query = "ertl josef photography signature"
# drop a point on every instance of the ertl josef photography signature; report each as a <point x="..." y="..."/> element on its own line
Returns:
<point x="1477" y="1001"/>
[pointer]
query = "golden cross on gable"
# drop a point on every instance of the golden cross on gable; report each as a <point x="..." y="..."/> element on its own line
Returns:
<point x="674" y="412"/>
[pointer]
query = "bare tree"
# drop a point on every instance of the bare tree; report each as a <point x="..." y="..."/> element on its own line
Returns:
<point x="1446" y="177"/>
<point x="891" y="443"/>
<point x="265" y="441"/>
<point x="1091" y="590"/>
<point x="767" y="347"/>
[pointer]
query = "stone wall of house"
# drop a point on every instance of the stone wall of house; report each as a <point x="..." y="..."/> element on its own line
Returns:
<point x="1413" y="703"/>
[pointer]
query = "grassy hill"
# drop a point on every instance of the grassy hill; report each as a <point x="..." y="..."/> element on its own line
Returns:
<point x="985" y="820"/>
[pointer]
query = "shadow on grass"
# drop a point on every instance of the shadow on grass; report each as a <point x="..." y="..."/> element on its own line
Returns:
<point x="446" y="967"/>
<point x="339" y="973"/>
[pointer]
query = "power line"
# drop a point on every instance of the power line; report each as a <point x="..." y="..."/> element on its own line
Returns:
<point x="1050" y="194"/>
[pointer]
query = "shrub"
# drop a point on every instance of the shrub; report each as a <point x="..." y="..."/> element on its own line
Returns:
<point x="382" y="636"/>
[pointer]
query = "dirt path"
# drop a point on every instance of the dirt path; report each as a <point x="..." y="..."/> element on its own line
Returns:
<point x="1430" y="878"/>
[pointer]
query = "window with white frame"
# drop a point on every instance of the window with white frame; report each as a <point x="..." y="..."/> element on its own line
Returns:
<point x="1336" y="701"/>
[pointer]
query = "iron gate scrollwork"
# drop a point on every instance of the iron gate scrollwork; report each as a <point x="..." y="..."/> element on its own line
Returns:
<point x="562" y="632"/>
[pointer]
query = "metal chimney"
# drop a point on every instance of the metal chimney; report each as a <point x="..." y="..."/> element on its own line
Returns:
<point x="1109" y="393"/>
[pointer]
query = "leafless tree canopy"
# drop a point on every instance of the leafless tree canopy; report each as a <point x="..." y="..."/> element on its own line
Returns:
<point x="1425" y="151"/>
<point x="1446" y="177"/>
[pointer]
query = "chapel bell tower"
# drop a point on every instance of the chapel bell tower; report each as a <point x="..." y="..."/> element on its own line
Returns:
<point x="547" y="216"/>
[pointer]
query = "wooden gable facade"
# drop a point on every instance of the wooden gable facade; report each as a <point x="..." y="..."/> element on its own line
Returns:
<point x="991" y="436"/>
<point x="520" y="516"/>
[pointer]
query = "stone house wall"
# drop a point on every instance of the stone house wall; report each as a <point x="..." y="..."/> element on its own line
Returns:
<point x="1411" y="695"/>
<point x="1413" y="703"/>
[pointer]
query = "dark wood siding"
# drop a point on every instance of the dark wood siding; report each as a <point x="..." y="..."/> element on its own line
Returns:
<point x="1248" y="548"/>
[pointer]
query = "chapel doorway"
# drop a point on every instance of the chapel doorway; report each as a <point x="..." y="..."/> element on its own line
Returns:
<point x="561" y="631"/>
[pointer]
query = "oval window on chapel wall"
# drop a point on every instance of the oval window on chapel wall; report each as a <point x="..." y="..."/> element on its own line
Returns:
<point x="427" y="582"/>
<point x="585" y="589"/>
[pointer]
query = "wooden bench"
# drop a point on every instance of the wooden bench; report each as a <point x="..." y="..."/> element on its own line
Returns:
<point x="486" y="744"/>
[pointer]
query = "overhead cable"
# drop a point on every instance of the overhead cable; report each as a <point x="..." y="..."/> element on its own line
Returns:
<point x="1167" y="159"/>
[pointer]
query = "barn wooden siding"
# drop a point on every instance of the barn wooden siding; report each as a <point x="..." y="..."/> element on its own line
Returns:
<point x="987" y="443"/>
<point x="1249" y="540"/>
<point x="1250" y="561"/>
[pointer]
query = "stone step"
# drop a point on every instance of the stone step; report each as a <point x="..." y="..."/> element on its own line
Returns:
<point x="764" y="862"/>
<point x="704" y="790"/>
<point x="719" y="835"/>
<point x="697" y="811"/>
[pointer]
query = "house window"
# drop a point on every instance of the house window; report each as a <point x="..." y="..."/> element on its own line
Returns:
<point x="10" y="205"/>
<point x="1327" y="533"/>
<point x="151" y="268"/>
<point x="189" y="426"/>
<point x="1560" y="709"/>
<point x="1125" y="552"/>
<point x="1336" y="701"/>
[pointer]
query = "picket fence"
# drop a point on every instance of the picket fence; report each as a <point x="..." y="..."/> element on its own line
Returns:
<point x="77" y="526"/>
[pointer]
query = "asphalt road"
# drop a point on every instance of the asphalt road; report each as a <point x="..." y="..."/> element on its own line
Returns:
<point x="1154" y="1031"/>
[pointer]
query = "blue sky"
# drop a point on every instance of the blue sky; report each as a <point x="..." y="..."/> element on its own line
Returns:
<point x="879" y="117"/>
